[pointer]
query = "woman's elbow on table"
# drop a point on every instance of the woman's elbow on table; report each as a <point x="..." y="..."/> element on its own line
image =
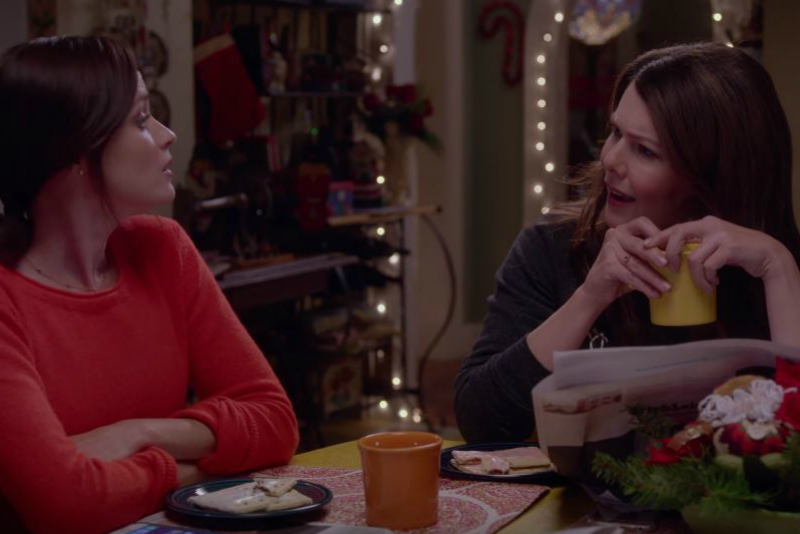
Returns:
<point x="483" y="413"/>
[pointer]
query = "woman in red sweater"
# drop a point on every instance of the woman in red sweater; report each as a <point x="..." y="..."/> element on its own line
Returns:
<point x="108" y="316"/>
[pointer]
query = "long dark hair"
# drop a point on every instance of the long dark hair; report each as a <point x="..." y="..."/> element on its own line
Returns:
<point x="722" y="126"/>
<point x="61" y="98"/>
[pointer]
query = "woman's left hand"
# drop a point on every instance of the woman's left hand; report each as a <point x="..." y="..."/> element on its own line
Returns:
<point x="116" y="441"/>
<point x="183" y="439"/>
<point x="721" y="243"/>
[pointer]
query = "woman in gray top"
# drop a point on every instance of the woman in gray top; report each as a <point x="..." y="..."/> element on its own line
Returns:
<point x="699" y="150"/>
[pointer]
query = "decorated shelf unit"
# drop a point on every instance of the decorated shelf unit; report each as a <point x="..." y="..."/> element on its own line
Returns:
<point x="287" y="198"/>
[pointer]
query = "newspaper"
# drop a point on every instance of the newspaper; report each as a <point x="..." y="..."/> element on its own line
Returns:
<point x="582" y="407"/>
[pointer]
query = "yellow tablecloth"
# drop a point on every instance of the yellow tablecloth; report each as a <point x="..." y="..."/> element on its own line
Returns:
<point x="558" y="509"/>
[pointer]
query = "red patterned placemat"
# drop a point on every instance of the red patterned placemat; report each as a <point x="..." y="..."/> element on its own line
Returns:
<point x="464" y="506"/>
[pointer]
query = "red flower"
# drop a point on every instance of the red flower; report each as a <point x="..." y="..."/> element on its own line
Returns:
<point x="427" y="109"/>
<point x="416" y="124"/>
<point x="402" y="93"/>
<point x="739" y="443"/>
<point x="371" y="102"/>
<point x="787" y="374"/>
<point x="664" y="455"/>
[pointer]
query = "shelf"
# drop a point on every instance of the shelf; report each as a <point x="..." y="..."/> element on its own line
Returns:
<point x="382" y="215"/>
<point x="331" y="5"/>
<point x="314" y="94"/>
<point x="256" y="275"/>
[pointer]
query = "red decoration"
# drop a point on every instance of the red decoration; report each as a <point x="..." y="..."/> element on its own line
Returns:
<point x="507" y="16"/>
<point x="235" y="107"/>
<point x="313" y="180"/>
<point x="665" y="452"/>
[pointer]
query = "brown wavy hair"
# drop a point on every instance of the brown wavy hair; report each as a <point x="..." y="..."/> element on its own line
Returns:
<point x="61" y="98"/>
<point x="722" y="126"/>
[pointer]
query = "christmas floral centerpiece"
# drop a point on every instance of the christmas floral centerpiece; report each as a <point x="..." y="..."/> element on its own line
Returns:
<point x="402" y="112"/>
<point x="397" y="120"/>
<point x="734" y="467"/>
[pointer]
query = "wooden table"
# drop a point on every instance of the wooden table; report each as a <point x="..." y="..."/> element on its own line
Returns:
<point x="557" y="510"/>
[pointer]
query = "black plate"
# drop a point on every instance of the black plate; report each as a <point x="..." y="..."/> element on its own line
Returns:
<point x="545" y="478"/>
<point x="178" y="505"/>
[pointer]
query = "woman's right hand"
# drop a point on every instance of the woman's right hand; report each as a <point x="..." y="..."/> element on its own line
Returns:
<point x="624" y="265"/>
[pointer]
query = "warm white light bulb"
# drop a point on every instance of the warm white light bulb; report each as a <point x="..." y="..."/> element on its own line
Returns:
<point x="381" y="231"/>
<point x="545" y="210"/>
<point x="381" y="180"/>
<point x="547" y="37"/>
<point x="394" y="259"/>
<point x="417" y="418"/>
<point x="377" y="19"/>
<point x="384" y="48"/>
<point x="541" y="126"/>
<point x="540" y="59"/>
<point x="383" y="405"/>
<point x="549" y="167"/>
<point x="538" y="189"/>
<point x="376" y="74"/>
<point x="541" y="103"/>
<point x="381" y="307"/>
<point x="729" y="44"/>
<point x="403" y="413"/>
<point x="398" y="2"/>
<point x="396" y="381"/>
<point x="559" y="17"/>
<point x="539" y="146"/>
<point x="541" y="81"/>
<point x="717" y="17"/>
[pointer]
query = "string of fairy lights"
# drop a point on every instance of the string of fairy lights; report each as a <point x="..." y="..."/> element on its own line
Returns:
<point x="381" y="33"/>
<point x="546" y="160"/>
<point x="544" y="138"/>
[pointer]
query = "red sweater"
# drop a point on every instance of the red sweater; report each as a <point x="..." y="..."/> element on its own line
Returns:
<point x="71" y="362"/>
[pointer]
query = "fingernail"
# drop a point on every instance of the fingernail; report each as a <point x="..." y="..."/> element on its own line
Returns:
<point x="648" y="242"/>
<point x="662" y="261"/>
<point x="665" y="287"/>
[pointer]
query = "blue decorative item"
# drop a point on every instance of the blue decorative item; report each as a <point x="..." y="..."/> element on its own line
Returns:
<point x="595" y="22"/>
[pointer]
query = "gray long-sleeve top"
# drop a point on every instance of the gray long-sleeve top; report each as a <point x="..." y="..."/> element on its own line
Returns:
<point x="493" y="388"/>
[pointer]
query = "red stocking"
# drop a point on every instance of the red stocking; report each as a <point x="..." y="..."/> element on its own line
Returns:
<point x="235" y="107"/>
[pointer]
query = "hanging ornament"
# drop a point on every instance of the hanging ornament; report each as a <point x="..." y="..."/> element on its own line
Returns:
<point x="595" y="22"/>
<point x="505" y="15"/>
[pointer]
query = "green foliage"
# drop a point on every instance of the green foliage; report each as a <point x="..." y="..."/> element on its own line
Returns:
<point x="651" y="422"/>
<point x="674" y="486"/>
<point x="789" y="474"/>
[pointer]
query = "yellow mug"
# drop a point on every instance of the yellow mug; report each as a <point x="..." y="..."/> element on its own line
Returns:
<point x="686" y="303"/>
<point x="401" y="478"/>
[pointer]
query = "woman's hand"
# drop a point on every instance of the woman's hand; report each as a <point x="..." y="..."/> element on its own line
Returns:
<point x="183" y="439"/>
<point x="189" y="473"/>
<point x="721" y="243"/>
<point x="112" y="442"/>
<point x="624" y="264"/>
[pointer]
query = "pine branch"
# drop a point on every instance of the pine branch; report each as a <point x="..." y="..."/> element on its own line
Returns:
<point x="674" y="486"/>
<point x="789" y="493"/>
<point x="650" y="421"/>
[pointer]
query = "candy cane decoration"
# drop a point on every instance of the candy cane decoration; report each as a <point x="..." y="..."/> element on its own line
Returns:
<point x="507" y="16"/>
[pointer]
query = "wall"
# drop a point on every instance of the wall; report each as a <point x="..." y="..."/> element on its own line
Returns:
<point x="493" y="173"/>
<point x="440" y="63"/>
<point x="172" y="20"/>
<point x="13" y="23"/>
<point x="781" y="50"/>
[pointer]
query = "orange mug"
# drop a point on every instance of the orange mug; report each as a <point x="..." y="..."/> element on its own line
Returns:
<point x="401" y="478"/>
